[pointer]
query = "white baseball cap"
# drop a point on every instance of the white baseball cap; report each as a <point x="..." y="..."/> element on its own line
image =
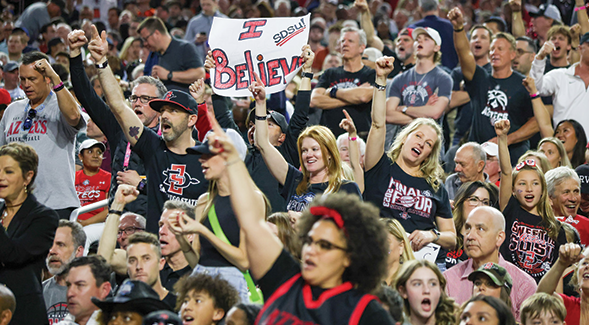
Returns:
<point x="430" y="32"/>
<point x="492" y="149"/>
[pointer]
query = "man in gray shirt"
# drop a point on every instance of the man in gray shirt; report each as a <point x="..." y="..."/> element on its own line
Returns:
<point x="48" y="120"/>
<point x="469" y="163"/>
<point x="68" y="244"/>
<point x="38" y="15"/>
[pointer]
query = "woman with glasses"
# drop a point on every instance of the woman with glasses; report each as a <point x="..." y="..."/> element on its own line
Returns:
<point x="469" y="196"/>
<point x="343" y="254"/>
<point x="26" y="234"/>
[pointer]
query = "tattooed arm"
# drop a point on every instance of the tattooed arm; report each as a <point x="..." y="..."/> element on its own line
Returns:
<point x="128" y="120"/>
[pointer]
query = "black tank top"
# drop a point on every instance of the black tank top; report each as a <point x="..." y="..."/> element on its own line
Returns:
<point x="209" y="256"/>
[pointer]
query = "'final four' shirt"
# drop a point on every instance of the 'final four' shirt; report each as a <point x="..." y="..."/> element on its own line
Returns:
<point x="495" y="99"/>
<point x="411" y="200"/>
<point x="171" y="176"/>
<point x="527" y="244"/>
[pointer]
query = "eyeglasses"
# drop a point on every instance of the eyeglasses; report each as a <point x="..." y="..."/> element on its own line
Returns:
<point x="144" y="99"/>
<point x="321" y="244"/>
<point x="474" y="201"/>
<point x="147" y="37"/>
<point x="129" y="231"/>
<point x="521" y="52"/>
<point x="29" y="120"/>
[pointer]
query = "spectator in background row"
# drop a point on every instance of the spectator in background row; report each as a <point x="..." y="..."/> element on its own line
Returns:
<point x="175" y="62"/>
<point x="16" y="45"/>
<point x="7" y="305"/>
<point x="554" y="151"/>
<point x="525" y="49"/>
<point x="68" y="244"/>
<point x="199" y="26"/>
<point x="39" y="14"/>
<point x="52" y="120"/>
<point x="470" y="162"/>
<point x="92" y="182"/>
<point x="11" y="81"/>
<point x="573" y="137"/>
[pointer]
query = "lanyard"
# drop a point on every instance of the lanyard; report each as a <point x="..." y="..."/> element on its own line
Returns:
<point x="128" y="151"/>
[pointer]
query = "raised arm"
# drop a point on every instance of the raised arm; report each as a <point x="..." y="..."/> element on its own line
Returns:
<point x="582" y="16"/>
<point x="574" y="53"/>
<point x="517" y="25"/>
<point x="540" y="112"/>
<point x="117" y="258"/>
<point x="263" y="247"/>
<point x="367" y="26"/>
<point x="501" y="129"/>
<point x="465" y="56"/>
<point x="568" y="255"/>
<point x="67" y="104"/>
<point x="377" y="134"/>
<point x="353" y="149"/>
<point x="538" y="67"/>
<point x="128" y="120"/>
<point x="276" y="163"/>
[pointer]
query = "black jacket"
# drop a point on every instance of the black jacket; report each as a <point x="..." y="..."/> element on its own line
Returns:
<point x="23" y="249"/>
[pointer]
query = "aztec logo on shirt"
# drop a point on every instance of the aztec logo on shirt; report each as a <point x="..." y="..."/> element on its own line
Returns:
<point x="57" y="312"/>
<point x="177" y="179"/>
<point x="496" y="108"/>
<point x="531" y="248"/>
<point x="416" y="94"/>
<point x="346" y="83"/>
<point x="300" y="202"/>
<point x="408" y="200"/>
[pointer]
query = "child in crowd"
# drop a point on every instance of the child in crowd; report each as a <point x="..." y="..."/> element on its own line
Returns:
<point x="529" y="218"/>
<point x="92" y="182"/>
<point x="423" y="287"/>
<point x="543" y="308"/>
<point x="204" y="300"/>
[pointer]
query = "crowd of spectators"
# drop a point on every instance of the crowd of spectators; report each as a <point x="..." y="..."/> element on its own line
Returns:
<point x="428" y="165"/>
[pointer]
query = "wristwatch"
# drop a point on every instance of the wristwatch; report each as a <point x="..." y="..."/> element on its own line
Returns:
<point x="170" y="76"/>
<point x="141" y="186"/>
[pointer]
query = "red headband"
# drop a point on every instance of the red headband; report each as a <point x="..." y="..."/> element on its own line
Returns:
<point x="329" y="213"/>
<point x="528" y="162"/>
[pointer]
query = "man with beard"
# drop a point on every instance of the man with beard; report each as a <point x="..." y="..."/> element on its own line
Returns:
<point x="525" y="50"/>
<point x="68" y="244"/>
<point x="480" y="42"/>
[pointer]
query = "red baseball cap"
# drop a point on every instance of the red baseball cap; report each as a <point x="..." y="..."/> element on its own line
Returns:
<point x="4" y="97"/>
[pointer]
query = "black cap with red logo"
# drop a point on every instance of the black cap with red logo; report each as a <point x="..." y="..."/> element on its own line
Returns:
<point x="176" y="98"/>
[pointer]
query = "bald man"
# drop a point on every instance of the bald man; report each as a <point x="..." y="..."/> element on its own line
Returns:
<point x="7" y="305"/>
<point x="484" y="232"/>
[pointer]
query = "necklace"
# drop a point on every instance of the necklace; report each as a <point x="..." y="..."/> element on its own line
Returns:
<point x="420" y="80"/>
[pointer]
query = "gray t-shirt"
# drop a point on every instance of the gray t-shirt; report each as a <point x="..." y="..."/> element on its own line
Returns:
<point x="33" y="18"/>
<point x="53" y="139"/>
<point x="55" y="297"/>
<point x="415" y="89"/>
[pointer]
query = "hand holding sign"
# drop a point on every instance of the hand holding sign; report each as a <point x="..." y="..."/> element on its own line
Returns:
<point x="197" y="91"/>
<point x="209" y="62"/>
<point x="308" y="57"/>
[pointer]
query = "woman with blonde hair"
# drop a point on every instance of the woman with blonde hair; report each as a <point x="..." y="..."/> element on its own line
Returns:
<point x="321" y="165"/>
<point x="423" y="288"/>
<point x="405" y="183"/>
<point x="555" y="152"/>
<point x="399" y="248"/>
<point x="537" y="156"/>
<point x="131" y="50"/>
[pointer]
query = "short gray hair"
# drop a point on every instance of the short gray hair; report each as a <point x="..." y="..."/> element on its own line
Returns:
<point x="160" y="88"/>
<point x="78" y="234"/>
<point x="139" y="218"/>
<point x="478" y="151"/>
<point x="278" y="2"/>
<point x="361" y="33"/>
<point x="361" y="142"/>
<point x="556" y="176"/>
<point x="428" y="5"/>
<point x="180" y="205"/>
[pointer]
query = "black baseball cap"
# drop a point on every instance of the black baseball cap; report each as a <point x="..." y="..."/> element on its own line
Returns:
<point x="176" y="98"/>
<point x="278" y="118"/>
<point x="10" y="66"/>
<point x="583" y="172"/>
<point x="133" y="296"/>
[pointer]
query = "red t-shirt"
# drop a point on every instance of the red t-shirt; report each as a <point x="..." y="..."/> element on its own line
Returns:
<point x="92" y="189"/>
<point x="581" y="224"/>
<point x="573" y="307"/>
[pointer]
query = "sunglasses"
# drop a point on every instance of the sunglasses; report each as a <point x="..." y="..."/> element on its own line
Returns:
<point x="29" y="120"/>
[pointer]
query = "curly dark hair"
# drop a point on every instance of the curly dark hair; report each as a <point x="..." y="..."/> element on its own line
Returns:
<point x="366" y="238"/>
<point x="223" y="294"/>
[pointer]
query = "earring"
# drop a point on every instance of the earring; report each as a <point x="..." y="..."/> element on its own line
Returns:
<point x="26" y="189"/>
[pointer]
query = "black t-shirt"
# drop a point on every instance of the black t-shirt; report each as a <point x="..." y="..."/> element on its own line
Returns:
<point x="169" y="277"/>
<point x="463" y="119"/>
<point x="495" y="99"/>
<point x="299" y="203"/>
<point x="284" y="269"/>
<point x="209" y="255"/>
<point x="345" y="80"/>
<point x="170" y="299"/>
<point x="171" y="176"/>
<point x="410" y="200"/>
<point x="398" y="66"/>
<point x="527" y="244"/>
